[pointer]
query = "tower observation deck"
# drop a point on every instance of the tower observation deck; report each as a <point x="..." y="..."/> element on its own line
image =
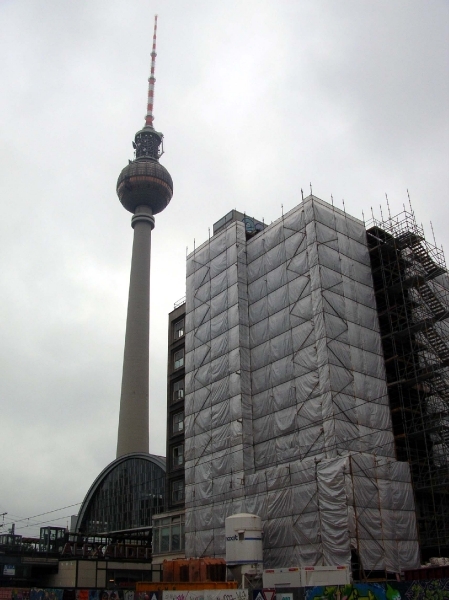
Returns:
<point x="144" y="188"/>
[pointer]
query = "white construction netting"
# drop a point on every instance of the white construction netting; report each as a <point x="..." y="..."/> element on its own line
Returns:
<point x="286" y="403"/>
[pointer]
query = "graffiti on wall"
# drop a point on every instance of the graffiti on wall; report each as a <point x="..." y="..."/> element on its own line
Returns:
<point x="357" y="591"/>
<point x="14" y="593"/>
<point x="434" y="589"/>
<point x="228" y="594"/>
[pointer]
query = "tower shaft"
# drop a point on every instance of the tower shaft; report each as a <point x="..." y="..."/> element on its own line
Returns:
<point x="133" y="432"/>
<point x="145" y="188"/>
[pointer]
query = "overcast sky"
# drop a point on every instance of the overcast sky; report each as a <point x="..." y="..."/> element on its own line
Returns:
<point x="256" y="99"/>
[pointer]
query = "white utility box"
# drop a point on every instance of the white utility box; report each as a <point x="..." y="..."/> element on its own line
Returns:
<point x="305" y="576"/>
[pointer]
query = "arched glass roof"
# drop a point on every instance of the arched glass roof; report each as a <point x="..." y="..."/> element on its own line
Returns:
<point x="125" y="495"/>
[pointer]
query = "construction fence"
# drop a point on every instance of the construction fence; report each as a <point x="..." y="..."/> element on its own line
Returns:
<point x="436" y="589"/>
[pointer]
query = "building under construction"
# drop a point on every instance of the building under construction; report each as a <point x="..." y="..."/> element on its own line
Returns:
<point x="316" y="380"/>
<point x="412" y="296"/>
<point x="287" y="408"/>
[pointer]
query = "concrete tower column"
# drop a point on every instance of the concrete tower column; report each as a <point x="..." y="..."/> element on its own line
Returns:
<point x="133" y="432"/>
<point x="145" y="188"/>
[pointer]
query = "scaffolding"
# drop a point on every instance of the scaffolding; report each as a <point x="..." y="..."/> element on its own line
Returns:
<point x="412" y="294"/>
<point x="286" y="407"/>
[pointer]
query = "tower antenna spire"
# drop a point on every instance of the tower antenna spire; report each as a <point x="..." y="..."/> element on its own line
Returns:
<point x="149" y="118"/>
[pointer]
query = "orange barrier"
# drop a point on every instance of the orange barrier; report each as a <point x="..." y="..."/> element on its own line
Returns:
<point x="160" y="586"/>
<point x="194" y="569"/>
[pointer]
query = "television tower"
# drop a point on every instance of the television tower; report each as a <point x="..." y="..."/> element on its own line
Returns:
<point x="144" y="187"/>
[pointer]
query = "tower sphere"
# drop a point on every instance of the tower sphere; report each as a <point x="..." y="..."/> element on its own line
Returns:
<point x="145" y="181"/>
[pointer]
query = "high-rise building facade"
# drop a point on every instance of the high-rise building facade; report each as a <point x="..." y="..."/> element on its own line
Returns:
<point x="287" y="410"/>
<point x="168" y="527"/>
<point x="175" y="408"/>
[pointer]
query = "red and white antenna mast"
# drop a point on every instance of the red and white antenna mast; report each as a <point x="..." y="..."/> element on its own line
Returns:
<point x="149" y="116"/>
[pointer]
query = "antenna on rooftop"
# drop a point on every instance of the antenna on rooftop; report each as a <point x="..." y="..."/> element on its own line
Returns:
<point x="433" y="233"/>
<point x="410" y="203"/>
<point x="302" y="194"/>
<point x="149" y="118"/>
<point x="332" y="200"/>
<point x="311" y="193"/>
<point x="388" y="205"/>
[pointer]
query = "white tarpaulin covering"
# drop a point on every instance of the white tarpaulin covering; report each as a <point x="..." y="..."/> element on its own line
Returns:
<point x="286" y="403"/>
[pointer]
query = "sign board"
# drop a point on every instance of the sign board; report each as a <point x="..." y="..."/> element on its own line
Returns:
<point x="9" y="570"/>
<point x="225" y="594"/>
<point x="36" y="560"/>
<point x="182" y="595"/>
<point x="268" y="594"/>
<point x="284" y="596"/>
<point x="205" y="595"/>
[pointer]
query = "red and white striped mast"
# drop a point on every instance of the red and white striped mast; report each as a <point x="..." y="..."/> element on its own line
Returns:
<point x="149" y="116"/>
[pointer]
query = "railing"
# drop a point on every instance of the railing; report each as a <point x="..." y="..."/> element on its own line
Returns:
<point x="179" y="302"/>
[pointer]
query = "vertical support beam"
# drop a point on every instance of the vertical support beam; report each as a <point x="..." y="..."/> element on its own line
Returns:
<point x="133" y="429"/>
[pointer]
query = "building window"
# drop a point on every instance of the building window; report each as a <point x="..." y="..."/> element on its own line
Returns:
<point x="177" y="491"/>
<point x="178" y="390"/>
<point x="178" y="422"/>
<point x="168" y="534"/>
<point x="178" y="329"/>
<point x="175" y="538"/>
<point x="178" y="359"/>
<point x="178" y="456"/>
<point x="165" y="539"/>
<point x="156" y="546"/>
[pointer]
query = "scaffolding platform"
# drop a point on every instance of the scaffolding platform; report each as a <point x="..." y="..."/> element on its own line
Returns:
<point x="412" y="294"/>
